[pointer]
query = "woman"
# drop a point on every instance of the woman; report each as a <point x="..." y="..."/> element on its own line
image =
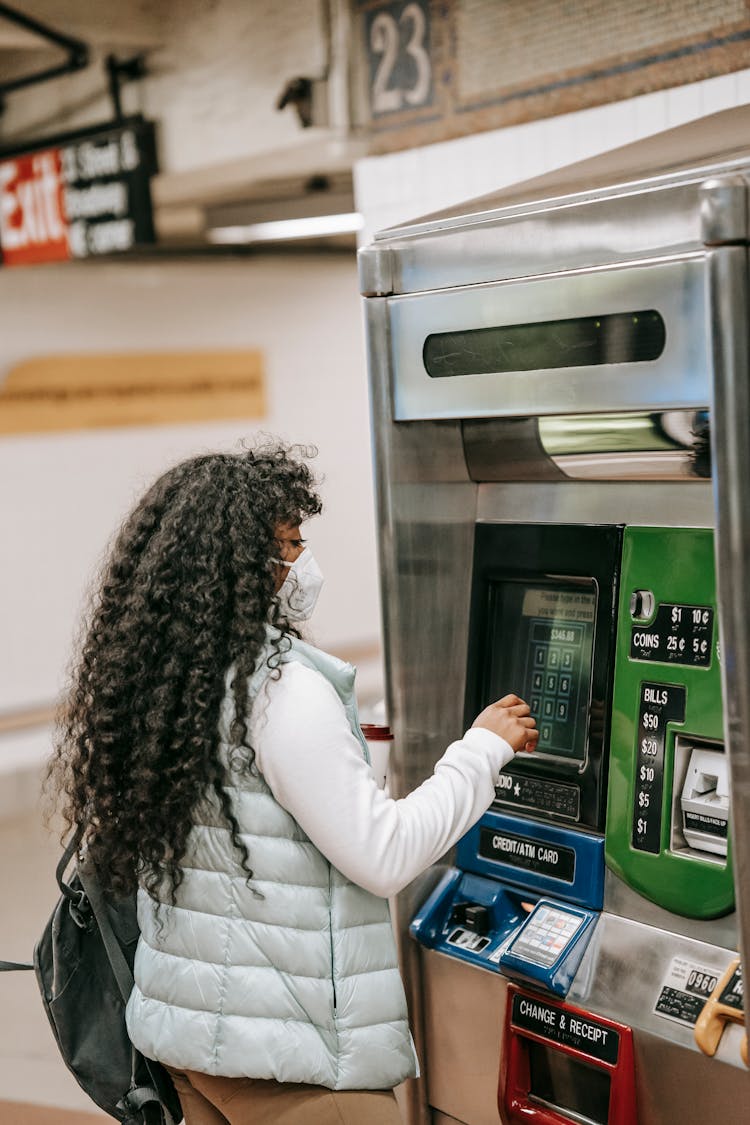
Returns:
<point x="218" y="762"/>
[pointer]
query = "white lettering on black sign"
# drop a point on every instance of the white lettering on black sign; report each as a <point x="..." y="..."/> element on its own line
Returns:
<point x="541" y="794"/>
<point x="679" y="634"/>
<point x="569" y="1029"/>
<point x="107" y="195"/>
<point x="711" y="825"/>
<point x="684" y="990"/>
<point x="732" y="994"/>
<point x="526" y="852"/>
<point x="660" y="704"/>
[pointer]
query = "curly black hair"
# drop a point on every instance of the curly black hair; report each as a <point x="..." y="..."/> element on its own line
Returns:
<point x="186" y="593"/>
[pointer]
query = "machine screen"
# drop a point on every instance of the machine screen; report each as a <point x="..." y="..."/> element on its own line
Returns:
<point x="566" y="1084"/>
<point x="546" y="935"/>
<point x="541" y="643"/>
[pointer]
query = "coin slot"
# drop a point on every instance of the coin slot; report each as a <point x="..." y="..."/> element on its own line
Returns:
<point x="642" y="605"/>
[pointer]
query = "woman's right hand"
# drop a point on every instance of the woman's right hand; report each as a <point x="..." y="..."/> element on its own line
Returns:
<point x="510" y="718"/>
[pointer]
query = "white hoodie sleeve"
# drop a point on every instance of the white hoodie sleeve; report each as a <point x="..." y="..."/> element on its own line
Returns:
<point x="314" y="767"/>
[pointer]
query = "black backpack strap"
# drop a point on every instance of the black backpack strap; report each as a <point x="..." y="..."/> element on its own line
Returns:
<point x="143" y="1104"/>
<point x="93" y="893"/>
<point x="70" y="850"/>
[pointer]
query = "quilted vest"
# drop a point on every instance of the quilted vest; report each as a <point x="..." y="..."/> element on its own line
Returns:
<point x="293" y="977"/>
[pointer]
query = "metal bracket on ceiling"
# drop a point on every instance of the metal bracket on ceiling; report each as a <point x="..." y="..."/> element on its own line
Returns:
<point x="119" y="71"/>
<point x="77" y="51"/>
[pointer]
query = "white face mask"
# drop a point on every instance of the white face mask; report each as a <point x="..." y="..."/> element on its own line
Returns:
<point x="300" y="589"/>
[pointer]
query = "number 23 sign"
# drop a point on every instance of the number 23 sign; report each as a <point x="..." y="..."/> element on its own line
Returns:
<point x="398" y="53"/>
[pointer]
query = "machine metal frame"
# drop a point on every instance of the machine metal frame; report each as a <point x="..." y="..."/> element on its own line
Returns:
<point x="664" y="221"/>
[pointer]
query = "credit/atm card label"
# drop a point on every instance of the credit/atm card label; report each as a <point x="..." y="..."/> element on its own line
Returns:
<point x="526" y="852"/>
<point x="540" y="794"/>
<point x="679" y="634"/>
<point x="685" y="990"/>
<point x="659" y="705"/>
<point x="569" y="1029"/>
<point x="732" y="994"/>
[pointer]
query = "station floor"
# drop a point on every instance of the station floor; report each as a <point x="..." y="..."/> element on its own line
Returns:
<point x="35" y="1087"/>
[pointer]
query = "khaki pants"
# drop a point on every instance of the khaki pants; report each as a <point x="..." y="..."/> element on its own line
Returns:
<point x="208" y="1100"/>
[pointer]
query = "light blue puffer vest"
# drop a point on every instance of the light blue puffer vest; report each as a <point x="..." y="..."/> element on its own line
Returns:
<point x="300" y="985"/>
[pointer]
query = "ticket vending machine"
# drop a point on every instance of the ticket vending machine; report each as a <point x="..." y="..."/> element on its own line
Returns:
<point x="560" y="388"/>
<point x="529" y="876"/>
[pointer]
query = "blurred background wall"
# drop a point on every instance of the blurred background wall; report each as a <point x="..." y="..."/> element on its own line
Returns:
<point x="393" y="110"/>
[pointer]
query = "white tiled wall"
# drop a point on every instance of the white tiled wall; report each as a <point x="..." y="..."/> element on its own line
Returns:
<point x="62" y="495"/>
<point x="400" y="186"/>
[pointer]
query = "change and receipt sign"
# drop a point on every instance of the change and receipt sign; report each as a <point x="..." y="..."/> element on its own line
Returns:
<point x="83" y="197"/>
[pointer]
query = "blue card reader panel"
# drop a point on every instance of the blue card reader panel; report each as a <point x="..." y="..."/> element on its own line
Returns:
<point x="548" y="948"/>
<point x="503" y="929"/>
<point x="543" y="858"/>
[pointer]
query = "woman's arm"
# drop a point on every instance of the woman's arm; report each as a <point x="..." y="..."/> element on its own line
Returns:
<point x="314" y="767"/>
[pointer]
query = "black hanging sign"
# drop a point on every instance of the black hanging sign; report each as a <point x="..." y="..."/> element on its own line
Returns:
<point x="82" y="195"/>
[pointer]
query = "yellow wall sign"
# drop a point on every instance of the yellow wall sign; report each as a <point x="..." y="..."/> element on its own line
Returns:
<point x="70" y="392"/>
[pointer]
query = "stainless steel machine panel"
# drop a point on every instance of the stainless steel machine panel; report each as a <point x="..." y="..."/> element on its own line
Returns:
<point x="676" y="289"/>
<point x="474" y="444"/>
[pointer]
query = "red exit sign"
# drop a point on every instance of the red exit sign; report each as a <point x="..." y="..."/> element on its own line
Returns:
<point x="33" y="225"/>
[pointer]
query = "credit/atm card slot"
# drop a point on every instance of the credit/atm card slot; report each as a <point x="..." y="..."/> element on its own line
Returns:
<point x="500" y="928"/>
<point x="470" y="918"/>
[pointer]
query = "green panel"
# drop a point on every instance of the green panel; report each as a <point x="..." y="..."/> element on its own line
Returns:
<point x="677" y="566"/>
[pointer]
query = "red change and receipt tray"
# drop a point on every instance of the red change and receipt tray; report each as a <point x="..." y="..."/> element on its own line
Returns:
<point x="561" y="1064"/>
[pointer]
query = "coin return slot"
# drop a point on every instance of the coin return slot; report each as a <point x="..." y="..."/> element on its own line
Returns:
<point x="700" y="800"/>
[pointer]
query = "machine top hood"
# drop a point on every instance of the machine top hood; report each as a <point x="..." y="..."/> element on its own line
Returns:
<point x="637" y="202"/>
<point x="708" y="146"/>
